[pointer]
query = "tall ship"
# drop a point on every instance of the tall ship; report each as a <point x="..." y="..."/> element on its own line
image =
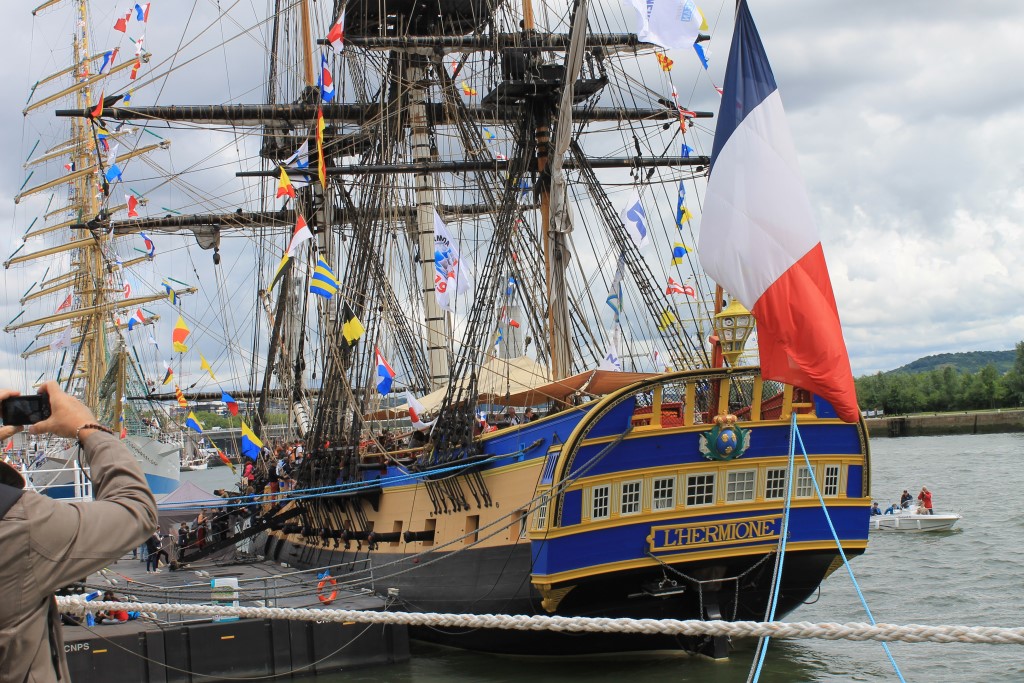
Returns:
<point x="551" y="340"/>
<point x="82" y="289"/>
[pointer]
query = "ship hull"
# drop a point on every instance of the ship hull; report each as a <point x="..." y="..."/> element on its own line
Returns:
<point x="621" y="508"/>
<point x="495" y="581"/>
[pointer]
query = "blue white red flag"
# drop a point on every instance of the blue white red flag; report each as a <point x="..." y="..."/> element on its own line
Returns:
<point x="150" y="247"/>
<point x="142" y="12"/>
<point x="384" y="373"/>
<point x="108" y="59"/>
<point x="326" y="80"/>
<point x="136" y="319"/>
<point x="758" y="238"/>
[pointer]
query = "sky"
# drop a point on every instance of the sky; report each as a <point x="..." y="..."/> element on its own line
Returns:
<point x="908" y="119"/>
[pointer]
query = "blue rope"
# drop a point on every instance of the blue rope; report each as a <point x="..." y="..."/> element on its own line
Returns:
<point x="846" y="562"/>
<point x="782" y="547"/>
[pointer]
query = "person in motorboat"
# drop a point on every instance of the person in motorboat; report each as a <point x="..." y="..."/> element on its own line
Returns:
<point x="893" y="509"/>
<point x="874" y="509"/>
<point x="906" y="499"/>
<point x="926" y="500"/>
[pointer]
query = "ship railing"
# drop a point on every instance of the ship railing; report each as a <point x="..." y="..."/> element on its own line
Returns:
<point x="71" y="482"/>
<point x="693" y="399"/>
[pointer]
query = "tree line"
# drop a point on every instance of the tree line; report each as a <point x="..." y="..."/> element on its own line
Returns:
<point x="944" y="389"/>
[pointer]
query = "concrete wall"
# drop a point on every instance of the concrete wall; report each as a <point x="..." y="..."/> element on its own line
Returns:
<point x="937" y="424"/>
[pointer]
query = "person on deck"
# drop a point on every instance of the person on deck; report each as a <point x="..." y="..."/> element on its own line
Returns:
<point x="510" y="418"/>
<point x="925" y="498"/>
<point x="529" y="415"/>
<point x="47" y="544"/>
<point x="875" y="510"/>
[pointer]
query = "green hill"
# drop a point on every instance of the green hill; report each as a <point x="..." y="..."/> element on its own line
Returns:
<point x="969" y="362"/>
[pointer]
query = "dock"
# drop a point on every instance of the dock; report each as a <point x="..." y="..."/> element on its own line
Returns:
<point x="165" y="648"/>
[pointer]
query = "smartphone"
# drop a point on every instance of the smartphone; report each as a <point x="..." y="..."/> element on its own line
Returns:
<point x="25" y="410"/>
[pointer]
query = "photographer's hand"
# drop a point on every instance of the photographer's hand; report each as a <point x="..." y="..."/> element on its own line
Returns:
<point x="8" y="431"/>
<point x="67" y="414"/>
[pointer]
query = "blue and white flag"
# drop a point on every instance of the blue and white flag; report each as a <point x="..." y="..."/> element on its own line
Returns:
<point x="614" y="299"/>
<point x="635" y="219"/>
<point x="669" y="23"/>
<point x="300" y="161"/>
<point x="757" y="235"/>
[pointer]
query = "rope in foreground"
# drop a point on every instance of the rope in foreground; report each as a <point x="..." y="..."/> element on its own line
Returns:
<point x="909" y="633"/>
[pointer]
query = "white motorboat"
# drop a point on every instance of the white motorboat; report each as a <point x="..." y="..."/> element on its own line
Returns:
<point x="914" y="518"/>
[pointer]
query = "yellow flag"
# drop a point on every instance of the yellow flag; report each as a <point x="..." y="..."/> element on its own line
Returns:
<point x="205" y="365"/>
<point x="668" y="318"/>
<point x="321" y="164"/>
<point x="181" y="331"/>
<point x="684" y="215"/>
<point x="351" y="328"/>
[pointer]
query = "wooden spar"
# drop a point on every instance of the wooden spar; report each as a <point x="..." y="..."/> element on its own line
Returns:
<point x="307" y="45"/>
<point x="83" y="172"/>
<point x="97" y="308"/>
<point x="84" y="85"/>
<point x="71" y="147"/>
<point x="67" y="224"/>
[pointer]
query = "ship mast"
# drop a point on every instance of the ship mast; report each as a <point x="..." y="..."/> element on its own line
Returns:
<point x="433" y="314"/>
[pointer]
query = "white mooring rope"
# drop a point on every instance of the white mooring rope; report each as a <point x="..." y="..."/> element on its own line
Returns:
<point x="908" y="633"/>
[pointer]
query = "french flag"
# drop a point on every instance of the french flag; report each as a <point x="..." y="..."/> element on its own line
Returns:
<point x="384" y="372"/>
<point x="758" y="238"/>
<point x="136" y="319"/>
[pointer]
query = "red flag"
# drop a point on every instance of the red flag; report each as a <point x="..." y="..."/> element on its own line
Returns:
<point x="284" y="186"/>
<point x="97" y="111"/>
<point x="122" y="23"/>
<point x="133" y="204"/>
<point x="226" y="460"/>
<point x="64" y="306"/>
<point x="135" y="69"/>
<point x="513" y="323"/>
<point x="10" y="445"/>
<point x="337" y="35"/>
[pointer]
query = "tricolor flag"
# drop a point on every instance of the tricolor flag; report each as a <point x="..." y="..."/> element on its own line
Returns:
<point x="124" y="429"/>
<point x="326" y="80"/>
<point x="65" y="305"/>
<point x="70" y="166"/>
<point x="108" y="59"/>
<point x="192" y="422"/>
<point x="679" y="252"/>
<point x="205" y="365"/>
<point x="102" y="135"/>
<point x="142" y="12"/>
<point x="136" y="319"/>
<point x="416" y="410"/>
<point x="323" y="282"/>
<point x="669" y="23"/>
<point x="776" y="268"/>
<point x="133" y="205"/>
<point x="150" y="247"/>
<point x="251" y="444"/>
<point x="384" y="373"/>
<point x="169" y="374"/>
<point x="229" y="402"/>
<point x="336" y="36"/>
<point x="180" y="395"/>
<point x="351" y="328"/>
<point x="284" y="186"/>
<point x="179" y="335"/>
<point x="635" y="219"/>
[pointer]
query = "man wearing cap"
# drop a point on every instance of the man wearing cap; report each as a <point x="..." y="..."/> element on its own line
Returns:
<point x="46" y="544"/>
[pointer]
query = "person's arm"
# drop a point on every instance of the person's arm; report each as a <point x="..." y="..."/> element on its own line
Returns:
<point x="73" y="540"/>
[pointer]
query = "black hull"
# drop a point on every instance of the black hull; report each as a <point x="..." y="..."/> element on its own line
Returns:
<point x="497" y="581"/>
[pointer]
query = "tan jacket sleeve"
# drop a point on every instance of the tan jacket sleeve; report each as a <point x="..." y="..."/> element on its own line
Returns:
<point x="71" y="541"/>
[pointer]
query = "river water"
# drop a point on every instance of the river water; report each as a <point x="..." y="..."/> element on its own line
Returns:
<point x="969" y="576"/>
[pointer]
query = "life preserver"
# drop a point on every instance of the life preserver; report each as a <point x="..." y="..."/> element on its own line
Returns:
<point x="327" y="599"/>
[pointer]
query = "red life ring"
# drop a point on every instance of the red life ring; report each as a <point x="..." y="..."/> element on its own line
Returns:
<point x="327" y="599"/>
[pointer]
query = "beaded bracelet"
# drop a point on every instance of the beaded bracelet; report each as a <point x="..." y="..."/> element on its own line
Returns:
<point x="92" y="425"/>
